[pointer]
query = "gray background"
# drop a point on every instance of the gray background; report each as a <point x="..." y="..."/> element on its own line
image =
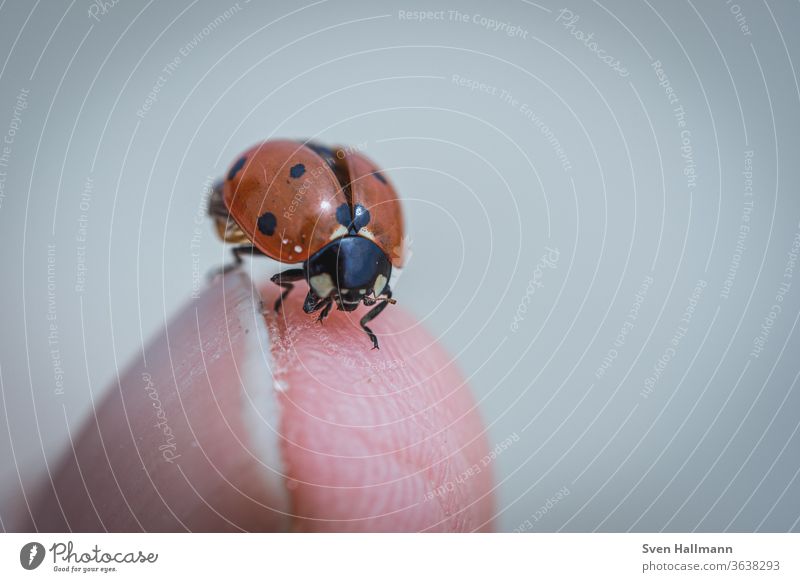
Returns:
<point x="713" y="446"/>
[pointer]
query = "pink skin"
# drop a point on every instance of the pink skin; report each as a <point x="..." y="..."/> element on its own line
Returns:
<point x="353" y="439"/>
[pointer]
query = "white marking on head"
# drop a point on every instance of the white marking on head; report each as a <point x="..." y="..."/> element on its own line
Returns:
<point x="322" y="284"/>
<point x="380" y="285"/>
<point x="298" y="249"/>
<point x="338" y="233"/>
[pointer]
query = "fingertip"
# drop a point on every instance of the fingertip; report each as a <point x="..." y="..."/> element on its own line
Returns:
<point x="172" y="446"/>
<point x="376" y="440"/>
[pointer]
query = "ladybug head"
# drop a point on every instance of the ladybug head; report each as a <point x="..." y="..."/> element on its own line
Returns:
<point x="350" y="270"/>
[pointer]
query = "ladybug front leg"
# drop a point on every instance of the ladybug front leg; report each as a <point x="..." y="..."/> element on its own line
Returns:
<point x="286" y="280"/>
<point x="314" y="303"/>
<point x="375" y="312"/>
<point x="325" y="310"/>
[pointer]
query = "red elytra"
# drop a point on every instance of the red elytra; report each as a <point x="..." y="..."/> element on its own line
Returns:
<point x="284" y="196"/>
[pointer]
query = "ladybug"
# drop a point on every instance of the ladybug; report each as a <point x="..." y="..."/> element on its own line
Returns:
<point x="330" y="209"/>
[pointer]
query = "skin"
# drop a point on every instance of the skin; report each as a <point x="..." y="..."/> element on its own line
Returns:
<point x="323" y="434"/>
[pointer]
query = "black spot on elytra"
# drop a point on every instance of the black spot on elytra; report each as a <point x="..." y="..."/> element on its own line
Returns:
<point x="297" y="170"/>
<point x="236" y="167"/>
<point x="325" y="153"/>
<point x="379" y="176"/>
<point x="267" y="223"/>
<point x="361" y="218"/>
<point x="343" y="215"/>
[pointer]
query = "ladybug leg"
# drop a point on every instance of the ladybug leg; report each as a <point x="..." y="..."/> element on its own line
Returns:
<point x="325" y="310"/>
<point x="312" y="302"/>
<point x="373" y="313"/>
<point x="242" y="250"/>
<point x="285" y="279"/>
<point x="237" y="256"/>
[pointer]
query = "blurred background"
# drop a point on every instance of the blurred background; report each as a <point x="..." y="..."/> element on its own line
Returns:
<point x="601" y="201"/>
